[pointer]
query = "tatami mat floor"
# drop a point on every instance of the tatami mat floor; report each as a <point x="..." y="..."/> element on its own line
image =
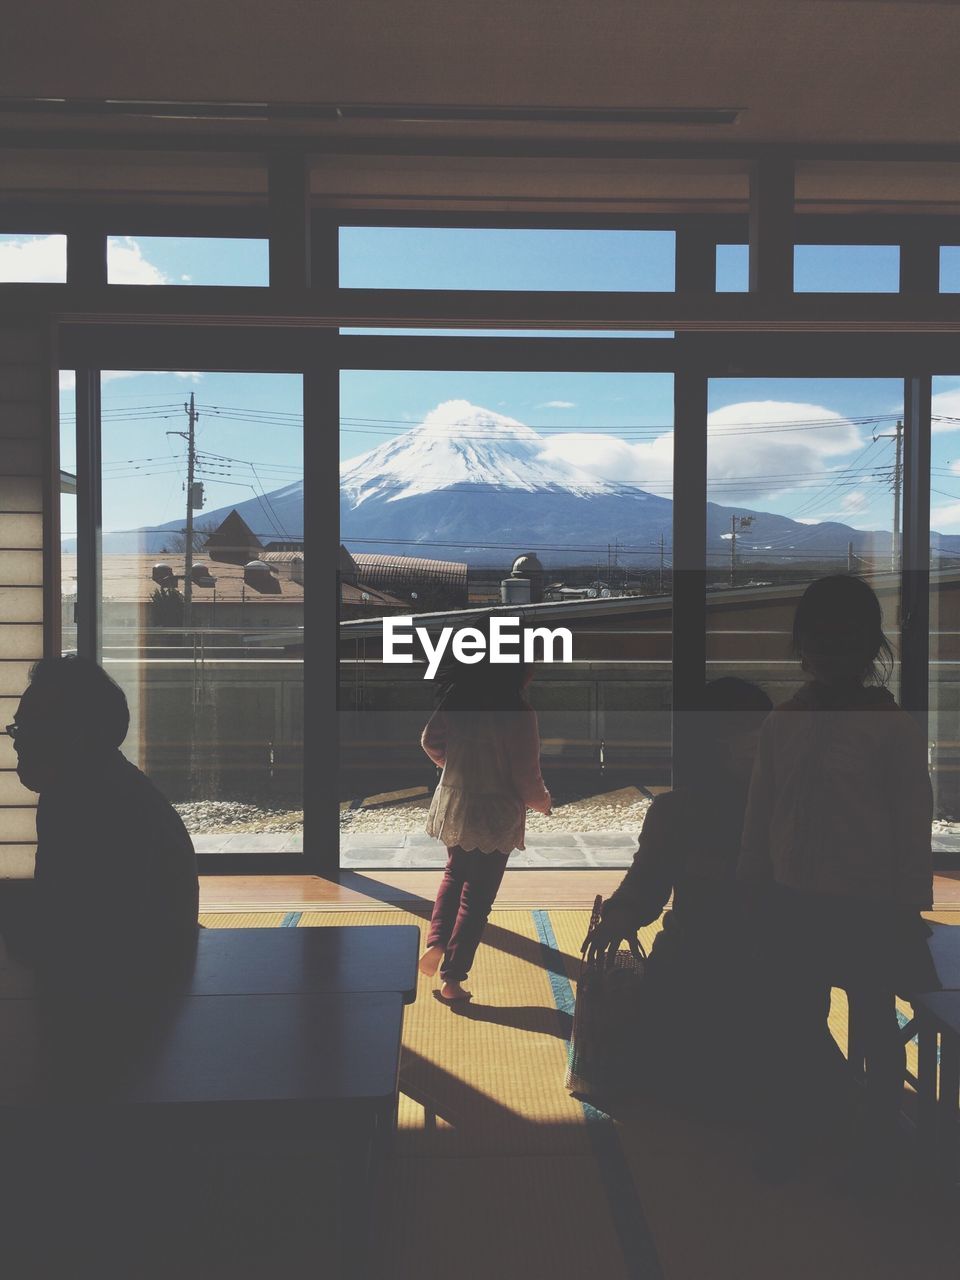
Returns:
<point x="498" y="1172"/>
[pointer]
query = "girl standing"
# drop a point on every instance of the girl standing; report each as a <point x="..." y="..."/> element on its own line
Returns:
<point x="484" y="737"/>
<point x="838" y="824"/>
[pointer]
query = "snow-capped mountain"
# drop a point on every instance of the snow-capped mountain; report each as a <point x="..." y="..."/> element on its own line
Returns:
<point x="459" y="444"/>
<point x="470" y="484"/>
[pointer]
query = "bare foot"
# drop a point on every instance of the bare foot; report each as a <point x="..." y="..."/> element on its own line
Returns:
<point x="430" y="960"/>
<point x="453" y="991"/>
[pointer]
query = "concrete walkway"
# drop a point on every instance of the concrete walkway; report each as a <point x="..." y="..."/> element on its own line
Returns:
<point x="397" y="850"/>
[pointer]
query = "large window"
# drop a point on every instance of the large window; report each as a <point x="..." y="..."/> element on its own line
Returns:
<point x="547" y="492"/>
<point x="944" y="732"/>
<point x="502" y="484"/>
<point x="201" y="598"/>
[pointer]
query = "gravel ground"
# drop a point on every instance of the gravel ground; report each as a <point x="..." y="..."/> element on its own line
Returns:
<point x="213" y="817"/>
<point x="614" y="811"/>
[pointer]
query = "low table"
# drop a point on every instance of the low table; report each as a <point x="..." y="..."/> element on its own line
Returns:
<point x="945" y="949"/>
<point x="277" y="1034"/>
<point x="325" y="960"/>
<point x="318" y="1070"/>
<point x="938" y="1108"/>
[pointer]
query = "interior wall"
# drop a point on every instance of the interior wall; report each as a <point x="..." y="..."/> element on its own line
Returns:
<point x="25" y="427"/>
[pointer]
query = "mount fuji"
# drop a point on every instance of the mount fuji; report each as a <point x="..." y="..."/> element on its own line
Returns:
<point x="470" y="484"/>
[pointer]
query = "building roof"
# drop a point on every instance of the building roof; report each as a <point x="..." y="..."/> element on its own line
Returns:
<point x="127" y="578"/>
<point x="387" y="571"/>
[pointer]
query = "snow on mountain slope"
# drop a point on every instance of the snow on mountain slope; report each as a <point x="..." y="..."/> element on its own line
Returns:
<point x="459" y="443"/>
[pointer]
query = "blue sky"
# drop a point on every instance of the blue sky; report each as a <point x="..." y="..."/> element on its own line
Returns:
<point x="785" y="445"/>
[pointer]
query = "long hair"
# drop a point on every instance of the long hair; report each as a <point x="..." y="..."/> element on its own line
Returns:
<point x="839" y="624"/>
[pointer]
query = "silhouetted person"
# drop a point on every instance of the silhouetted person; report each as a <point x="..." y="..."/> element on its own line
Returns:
<point x="838" y="826"/>
<point x="689" y="847"/>
<point x="116" y="878"/>
<point x="484" y="737"/>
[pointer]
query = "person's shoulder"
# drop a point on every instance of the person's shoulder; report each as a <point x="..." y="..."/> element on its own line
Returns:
<point x="669" y="807"/>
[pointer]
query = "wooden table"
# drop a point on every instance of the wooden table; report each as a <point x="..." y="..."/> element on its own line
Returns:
<point x="945" y="949"/>
<point x="325" y="960"/>
<point x="307" y="1070"/>
<point x="938" y="1108"/>
<point x="944" y="944"/>
<point x="331" y="958"/>
<point x="277" y="1034"/>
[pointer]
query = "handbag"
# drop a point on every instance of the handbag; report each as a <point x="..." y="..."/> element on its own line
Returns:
<point x="605" y="1018"/>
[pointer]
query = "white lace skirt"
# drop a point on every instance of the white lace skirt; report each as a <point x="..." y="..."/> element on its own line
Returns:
<point x="490" y="823"/>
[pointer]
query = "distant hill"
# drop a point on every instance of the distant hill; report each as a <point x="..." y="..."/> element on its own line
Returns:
<point x="470" y="484"/>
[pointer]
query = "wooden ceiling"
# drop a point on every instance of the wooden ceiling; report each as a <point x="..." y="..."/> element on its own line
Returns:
<point x="865" y="75"/>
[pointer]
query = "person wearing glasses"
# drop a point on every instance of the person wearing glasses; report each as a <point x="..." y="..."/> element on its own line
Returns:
<point x="116" y="877"/>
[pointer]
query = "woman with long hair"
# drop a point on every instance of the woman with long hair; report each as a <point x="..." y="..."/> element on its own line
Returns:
<point x="484" y="736"/>
<point x="838" y="831"/>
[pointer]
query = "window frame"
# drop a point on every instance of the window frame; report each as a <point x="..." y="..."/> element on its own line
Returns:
<point x="265" y="343"/>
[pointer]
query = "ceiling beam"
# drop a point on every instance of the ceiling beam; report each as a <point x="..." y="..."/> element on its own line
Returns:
<point x="426" y="308"/>
<point x="585" y="146"/>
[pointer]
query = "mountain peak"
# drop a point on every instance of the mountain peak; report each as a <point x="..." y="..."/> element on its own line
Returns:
<point x="458" y="418"/>
<point x="460" y="444"/>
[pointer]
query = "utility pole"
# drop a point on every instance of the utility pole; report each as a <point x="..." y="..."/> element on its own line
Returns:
<point x="897" y="482"/>
<point x="896" y="435"/>
<point x="661" y="562"/>
<point x="190" y="409"/>
<point x="736" y="522"/>
<point x="849" y="557"/>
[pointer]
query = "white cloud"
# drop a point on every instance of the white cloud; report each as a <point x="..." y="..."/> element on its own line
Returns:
<point x="68" y="379"/>
<point x="33" y="259"/>
<point x="855" y="501"/>
<point x="945" y="404"/>
<point x="746" y="463"/>
<point x="942" y="518"/>
<point x="127" y="265"/>
<point x="557" y="404"/>
<point x="43" y="260"/>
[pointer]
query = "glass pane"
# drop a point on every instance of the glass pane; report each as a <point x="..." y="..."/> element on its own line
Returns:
<point x="187" y="260"/>
<point x="733" y="268"/>
<point x="550" y="493"/>
<point x="33" y="259"/>
<point x="203" y="627"/>
<point x="846" y="268"/>
<point x="470" y="258"/>
<point x="803" y="480"/>
<point x="944" y="728"/>
<point x="950" y="268"/>
<point x="68" y="511"/>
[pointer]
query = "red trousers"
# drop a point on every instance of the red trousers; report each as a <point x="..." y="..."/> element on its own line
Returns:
<point x="466" y="894"/>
